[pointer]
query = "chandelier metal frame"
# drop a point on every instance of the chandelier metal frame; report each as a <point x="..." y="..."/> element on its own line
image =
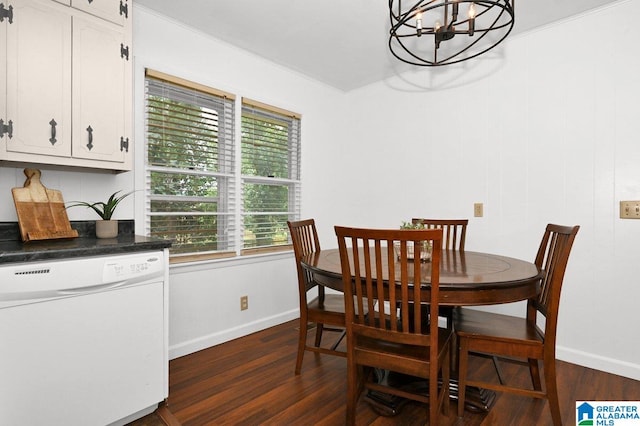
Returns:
<point x="485" y="27"/>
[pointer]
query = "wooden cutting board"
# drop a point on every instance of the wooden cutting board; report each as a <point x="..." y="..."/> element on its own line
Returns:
<point x="41" y="211"/>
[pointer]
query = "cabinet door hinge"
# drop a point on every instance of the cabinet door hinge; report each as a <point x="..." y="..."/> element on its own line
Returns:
<point x="124" y="51"/>
<point x="124" y="9"/>
<point x="6" y="13"/>
<point x="124" y="144"/>
<point x="6" y="129"/>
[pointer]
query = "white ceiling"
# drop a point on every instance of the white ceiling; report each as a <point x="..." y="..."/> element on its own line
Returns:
<point x="342" y="43"/>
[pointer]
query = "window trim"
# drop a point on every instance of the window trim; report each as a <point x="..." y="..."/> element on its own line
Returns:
<point x="187" y="84"/>
<point x="261" y="105"/>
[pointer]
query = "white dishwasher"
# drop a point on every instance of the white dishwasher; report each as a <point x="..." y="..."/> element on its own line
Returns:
<point x="83" y="341"/>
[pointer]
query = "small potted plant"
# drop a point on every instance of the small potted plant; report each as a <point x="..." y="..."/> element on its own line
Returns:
<point x="425" y="253"/>
<point x="105" y="228"/>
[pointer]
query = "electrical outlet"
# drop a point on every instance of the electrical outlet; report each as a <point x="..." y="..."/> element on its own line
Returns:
<point x="478" y="210"/>
<point x="244" y="303"/>
<point x="630" y="209"/>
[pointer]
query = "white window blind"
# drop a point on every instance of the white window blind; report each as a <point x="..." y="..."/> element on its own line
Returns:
<point x="190" y="165"/>
<point x="270" y="156"/>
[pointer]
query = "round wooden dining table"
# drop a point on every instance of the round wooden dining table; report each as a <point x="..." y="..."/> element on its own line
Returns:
<point x="467" y="278"/>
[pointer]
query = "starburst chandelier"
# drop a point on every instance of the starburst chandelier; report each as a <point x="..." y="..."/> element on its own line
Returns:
<point x="442" y="32"/>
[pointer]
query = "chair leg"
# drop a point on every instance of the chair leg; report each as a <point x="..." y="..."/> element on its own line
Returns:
<point x="434" y="399"/>
<point x="319" y="328"/>
<point x="534" y="370"/>
<point x="353" y="391"/>
<point x="463" y="359"/>
<point x="453" y="356"/>
<point x="446" y="376"/>
<point x="302" y="342"/>
<point x="552" y="392"/>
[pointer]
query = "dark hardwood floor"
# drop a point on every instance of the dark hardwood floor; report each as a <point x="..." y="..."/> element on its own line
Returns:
<point x="250" y="381"/>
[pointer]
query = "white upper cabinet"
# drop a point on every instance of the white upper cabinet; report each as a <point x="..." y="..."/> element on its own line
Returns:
<point x="68" y="86"/>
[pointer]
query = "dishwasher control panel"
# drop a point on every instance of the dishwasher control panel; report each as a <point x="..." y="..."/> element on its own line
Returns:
<point x="132" y="267"/>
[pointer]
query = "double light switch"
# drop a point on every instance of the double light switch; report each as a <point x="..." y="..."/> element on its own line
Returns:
<point x="630" y="209"/>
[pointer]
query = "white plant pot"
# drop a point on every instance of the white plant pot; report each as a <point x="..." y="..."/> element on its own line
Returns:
<point x="106" y="228"/>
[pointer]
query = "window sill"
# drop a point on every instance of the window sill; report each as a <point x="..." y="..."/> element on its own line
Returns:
<point x="233" y="260"/>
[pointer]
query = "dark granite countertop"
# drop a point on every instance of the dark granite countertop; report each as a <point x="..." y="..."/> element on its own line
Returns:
<point x="12" y="249"/>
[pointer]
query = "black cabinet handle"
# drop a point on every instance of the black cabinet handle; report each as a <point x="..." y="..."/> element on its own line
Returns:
<point x="90" y="143"/>
<point x="53" y="139"/>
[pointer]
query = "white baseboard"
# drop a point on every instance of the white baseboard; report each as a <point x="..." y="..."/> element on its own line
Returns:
<point x="597" y="362"/>
<point x="195" y="345"/>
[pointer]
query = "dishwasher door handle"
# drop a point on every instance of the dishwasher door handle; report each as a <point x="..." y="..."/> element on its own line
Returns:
<point x="91" y="288"/>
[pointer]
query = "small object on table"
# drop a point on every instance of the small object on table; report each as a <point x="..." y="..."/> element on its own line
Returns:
<point x="41" y="211"/>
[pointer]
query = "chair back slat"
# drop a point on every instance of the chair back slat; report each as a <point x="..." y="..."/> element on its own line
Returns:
<point x="304" y="237"/>
<point x="454" y="231"/>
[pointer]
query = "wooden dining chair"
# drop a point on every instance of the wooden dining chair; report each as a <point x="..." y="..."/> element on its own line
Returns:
<point x="454" y="231"/>
<point x="325" y="310"/>
<point x="514" y="338"/>
<point x="401" y="339"/>
<point x="454" y="234"/>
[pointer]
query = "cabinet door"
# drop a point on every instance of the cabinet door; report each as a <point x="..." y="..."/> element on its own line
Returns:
<point x="101" y="72"/>
<point x="39" y="79"/>
<point x="116" y="11"/>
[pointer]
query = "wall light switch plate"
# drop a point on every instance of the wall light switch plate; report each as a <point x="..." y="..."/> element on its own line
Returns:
<point x="630" y="209"/>
<point x="478" y="210"/>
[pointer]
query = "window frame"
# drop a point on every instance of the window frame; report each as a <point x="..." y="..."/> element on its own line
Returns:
<point x="224" y="177"/>
<point x="293" y="183"/>
<point x="237" y="181"/>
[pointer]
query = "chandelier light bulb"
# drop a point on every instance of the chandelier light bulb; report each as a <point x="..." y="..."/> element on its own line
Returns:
<point x="472" y="19"/>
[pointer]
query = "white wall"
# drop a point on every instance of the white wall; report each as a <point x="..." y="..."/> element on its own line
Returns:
<point x="540" y="131"/>
<point x="75" y="186"/>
